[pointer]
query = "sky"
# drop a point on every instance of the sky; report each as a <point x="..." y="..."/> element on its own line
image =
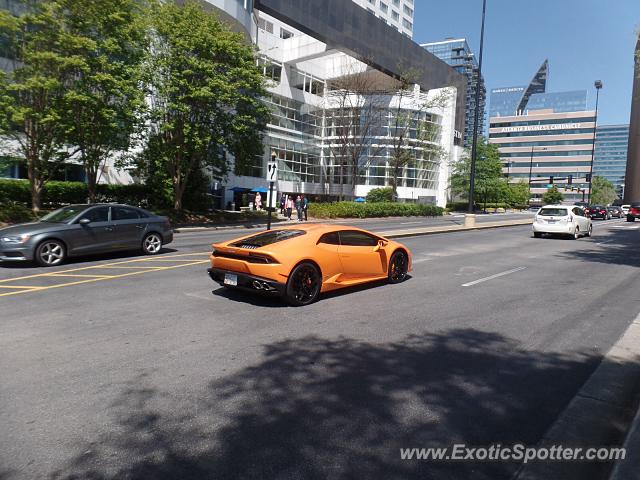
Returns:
<point x="584" y="40"/>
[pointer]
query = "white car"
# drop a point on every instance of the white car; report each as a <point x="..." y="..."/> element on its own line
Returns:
<point x="562" y="220"/>
<point x="625" y="208"/>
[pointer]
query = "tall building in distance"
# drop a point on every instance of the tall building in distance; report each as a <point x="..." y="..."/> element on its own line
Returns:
<point x="456" y="52"/>
<point x="543" y="138"/>
<point x="397" y="13"/>
<point x="610" y="160"/>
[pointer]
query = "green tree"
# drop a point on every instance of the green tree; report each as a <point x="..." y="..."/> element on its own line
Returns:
<point x="104" y="103"/>
<point x="206" y="95"/>
<point x="380" y="195"/>
<point x="518" y="193"/>
<point x="31" y="95"/>
<point x="490" y="185"/>
<point x="552" y="196"/>
<point x="602" y="191"/>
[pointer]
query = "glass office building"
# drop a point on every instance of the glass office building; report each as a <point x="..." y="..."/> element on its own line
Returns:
<point x="456" y="52"/>
<point x="610" y="159"/>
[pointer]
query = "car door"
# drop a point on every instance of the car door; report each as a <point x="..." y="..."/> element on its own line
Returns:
<point x="128" y="227"/>
<point x="358" y="257"/>
<point x="581" y="219"/>
<point x="95" y="236"/>
<point x="329" y="257"/>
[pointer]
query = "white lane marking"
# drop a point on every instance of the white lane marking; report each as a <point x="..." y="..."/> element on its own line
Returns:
<point x="410" y="223"/>
<point x="501" y="274"/>
<point x="626" y="227"/>
<point x="420" y="260"/>
<point x="603" y="243"/>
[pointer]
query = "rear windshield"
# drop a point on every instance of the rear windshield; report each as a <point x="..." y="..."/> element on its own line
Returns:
<point x="555" y="212"/>
<point x="267" y="238"/>
<point x="635" y="204"/>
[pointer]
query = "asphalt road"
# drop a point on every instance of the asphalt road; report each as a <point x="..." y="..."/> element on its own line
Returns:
<point x="131" y="367"/>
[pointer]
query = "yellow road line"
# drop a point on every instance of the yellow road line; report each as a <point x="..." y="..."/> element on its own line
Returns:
<point x="77" y="275"/>
<point x="90" y="280"/>
<point x="137" y="267"/>
<point x="124" y="262"/>
<point x="20" y="286"/>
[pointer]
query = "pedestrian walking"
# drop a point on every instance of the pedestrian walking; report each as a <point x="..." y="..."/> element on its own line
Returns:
<point x="258" y="201"/>
<point x="289" y="204"/>
<point x="283" y="200"/>
<point x="299" y="207"/>
<point x="305" y="206"/>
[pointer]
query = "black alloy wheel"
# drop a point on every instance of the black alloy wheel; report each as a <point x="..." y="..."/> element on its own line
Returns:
<point x="303" y="286"/>
<point x="398" y="267"/>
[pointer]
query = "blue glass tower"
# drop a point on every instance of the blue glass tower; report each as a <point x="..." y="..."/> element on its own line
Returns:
<point x="610" y="158"/>
<point x="456" y="52"/>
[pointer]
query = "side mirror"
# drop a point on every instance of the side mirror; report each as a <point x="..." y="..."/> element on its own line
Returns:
<point x="381" y="244"/>
<point x="84" y="221"/>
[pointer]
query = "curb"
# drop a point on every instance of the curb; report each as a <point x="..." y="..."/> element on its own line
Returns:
<point x="457" y="228"/>
<point x="599" y="413"/>
<point x="630" y="467"/>
<point x="388" y="234"/>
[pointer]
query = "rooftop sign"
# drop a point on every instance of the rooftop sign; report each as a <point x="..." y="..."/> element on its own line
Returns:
<point x="535" y="128"/>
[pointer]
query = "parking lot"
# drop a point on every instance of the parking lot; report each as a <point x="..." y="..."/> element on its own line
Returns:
<point x="141" y="367"/>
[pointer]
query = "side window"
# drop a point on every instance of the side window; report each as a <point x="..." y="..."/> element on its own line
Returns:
<point x="330" y="238"/>
<point x="576" y="211"/>
<point x="357" y="239"/>
<point x="123" y="213"/>
<point x="97" y="214"/>
<point x="142" y="213"/>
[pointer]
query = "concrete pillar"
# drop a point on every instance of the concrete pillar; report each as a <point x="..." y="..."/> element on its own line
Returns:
<point x="632" y="177"/>
<point x="469" y="220"/>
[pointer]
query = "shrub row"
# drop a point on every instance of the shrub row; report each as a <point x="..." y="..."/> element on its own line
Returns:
<point x="61" y="193"/>
<point x="371" y="210"/>
<point x="462" y="206"/>
<point x="15" y="213"/>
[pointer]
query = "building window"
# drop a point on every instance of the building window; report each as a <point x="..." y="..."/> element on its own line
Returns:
<point x="395" y="15"/>
<point x="265" y="25"/>
<point x="285" y="33"/>
<point x="270" y="69"/>
<point x="384" y="7"/>
<point x="396" y="3"/>
<point x="407" y="11"/>
<point x="407" y="24"/>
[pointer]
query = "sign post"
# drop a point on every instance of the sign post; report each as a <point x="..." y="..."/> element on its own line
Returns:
<point x="272" y="176"/>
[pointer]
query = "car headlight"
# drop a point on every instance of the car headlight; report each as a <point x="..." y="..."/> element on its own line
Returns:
<point x="16" y="238"/>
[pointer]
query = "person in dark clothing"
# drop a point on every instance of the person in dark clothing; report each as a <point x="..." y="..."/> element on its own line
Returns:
<point x="305" y="206"/>
<point x="283" y="200"/>
<point x="299" y="207"/>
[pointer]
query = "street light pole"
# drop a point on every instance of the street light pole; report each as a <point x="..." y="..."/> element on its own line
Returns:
<point x="476" y="115"/>
<point x="530" y="170"/>
<point x="270" y="199"/>
<point x="598" y="85"/>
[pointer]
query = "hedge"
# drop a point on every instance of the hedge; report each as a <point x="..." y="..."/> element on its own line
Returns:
<point x="462" y="206"/>
<point x="372" y="210"/>
<point x="62" y="193"/>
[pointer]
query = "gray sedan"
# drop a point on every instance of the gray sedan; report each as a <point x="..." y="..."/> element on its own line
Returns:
<point x="84" y="229"/>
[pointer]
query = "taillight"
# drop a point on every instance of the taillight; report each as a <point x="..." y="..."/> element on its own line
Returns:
<point x="603" y="211"/>
<point x="633" y="211"/>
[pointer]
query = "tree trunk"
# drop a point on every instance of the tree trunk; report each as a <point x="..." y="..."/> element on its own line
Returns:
<point x="35" y="182"/>
<point x="36" y="191"/>
<point x="92" y="176"/>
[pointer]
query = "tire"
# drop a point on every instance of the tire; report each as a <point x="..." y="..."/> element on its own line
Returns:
<point x="537" y="235"/>
<point x="50" y="253"/>
<point x="303" y="286"/>
<point x="152" y="243"/>
<point x="590" y="231"/>
<point x="576" y="234"/>
<point x="631" y="219"/>
<point x="398" y="267"/>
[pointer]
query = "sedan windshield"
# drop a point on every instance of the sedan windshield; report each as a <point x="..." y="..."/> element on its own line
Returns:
<point x="553" y="212"/>
<point x="267" y="238"/>
<point x="63" y="215"/>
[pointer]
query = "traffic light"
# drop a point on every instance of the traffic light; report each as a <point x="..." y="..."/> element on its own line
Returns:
<point x="588" y="179"/>
<point x="570" y="180"/>
<point x="551" y="180"/>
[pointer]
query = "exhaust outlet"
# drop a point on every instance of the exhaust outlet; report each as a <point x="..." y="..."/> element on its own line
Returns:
<point x="257" y="285"/>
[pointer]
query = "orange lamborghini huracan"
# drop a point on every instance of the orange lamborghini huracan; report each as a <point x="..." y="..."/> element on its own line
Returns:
<point x="300" y="262"/>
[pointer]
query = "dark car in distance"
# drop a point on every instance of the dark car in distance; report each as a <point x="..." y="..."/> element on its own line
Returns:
<point x="84" y="229"/>
<point x="615" y="212"/>
<point x="634" y="212"/>
<point x="598" y="211"/>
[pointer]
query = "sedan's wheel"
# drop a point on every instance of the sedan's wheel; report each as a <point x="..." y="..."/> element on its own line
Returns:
<point x="537" y="234"/>
<point x="50" y="253"/>
<point x="304" y="285"/>
<point x="631" y="219"/>
<point x="576" y="233"/>
<point x="590" y="231"/>
<point x="398" y="266"/>
<point x="152" y="244"/>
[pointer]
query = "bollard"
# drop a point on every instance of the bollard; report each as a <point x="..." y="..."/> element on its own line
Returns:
<point x="469" y="220"/>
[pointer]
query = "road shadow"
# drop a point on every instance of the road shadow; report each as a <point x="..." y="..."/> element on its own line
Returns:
<point x="316" y="409"/>
<point x="259" y="299"/>
<point x="620" y="247"/>
<point x="78" y="261"/>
